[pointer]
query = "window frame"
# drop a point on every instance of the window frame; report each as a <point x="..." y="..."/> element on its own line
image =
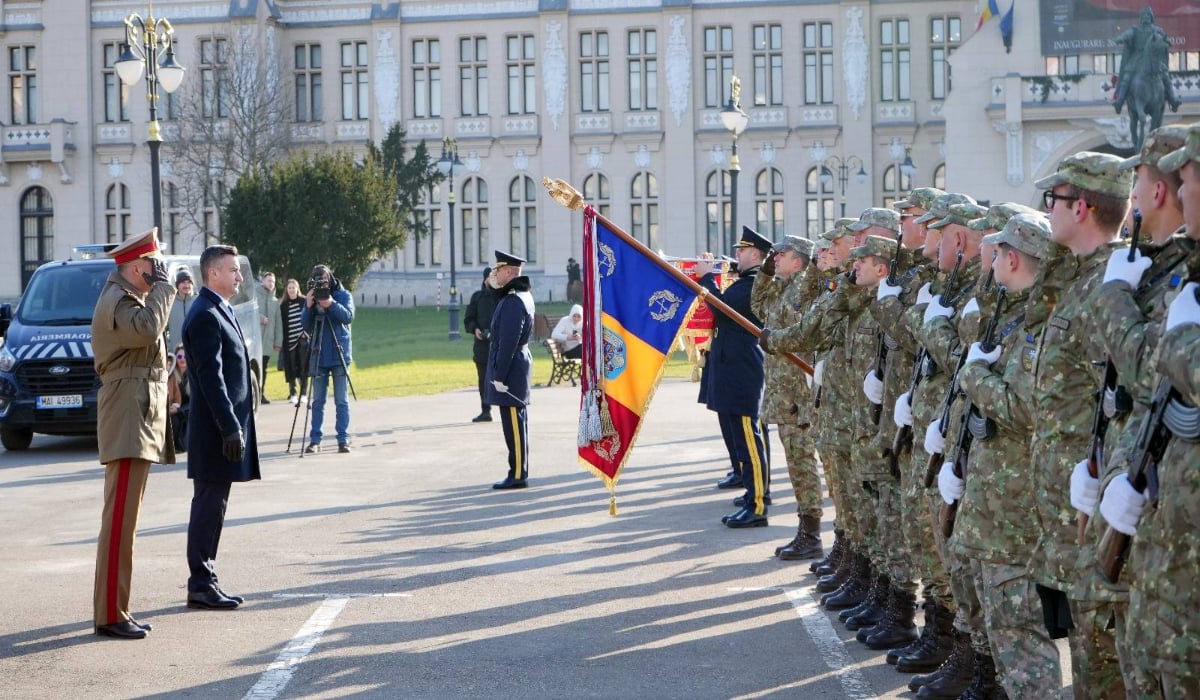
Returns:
<point x="473" y="76"/>
<point x="309" y="82"/>
<point x="642" y="69"/>
<point x="520" y="71"/>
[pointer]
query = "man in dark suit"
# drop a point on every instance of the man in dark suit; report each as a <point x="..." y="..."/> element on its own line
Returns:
<point x="222" y="445"/>
<point x="510" y="366"/>
<point x="478" y="323"/>
<point x="734" y="385"/>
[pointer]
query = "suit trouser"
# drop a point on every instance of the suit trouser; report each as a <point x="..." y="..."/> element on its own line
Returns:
<point x="209" y="499"/>
<point x="481" y="373"/>
<point x="803" y="470"/>
<point x="516" y="437"/>
<point x="1027" y="662"/>
<point x="124" y="486"/>
<point x="749" y="444"/>
<point x="725" y="421"/>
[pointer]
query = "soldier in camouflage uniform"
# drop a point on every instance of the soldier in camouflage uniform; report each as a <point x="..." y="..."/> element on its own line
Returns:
<point x="1129" y="311"/>
<point x="993" y="528"/>
<point x="1164" y="602"/>
<point x="1087" y="200"/>
<point x="782" y="291"/>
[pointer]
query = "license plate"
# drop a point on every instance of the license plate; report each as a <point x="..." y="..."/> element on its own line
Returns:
<point x="64" y="401"/>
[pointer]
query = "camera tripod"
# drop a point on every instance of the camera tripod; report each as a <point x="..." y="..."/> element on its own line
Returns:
<point x="312" y="367"/>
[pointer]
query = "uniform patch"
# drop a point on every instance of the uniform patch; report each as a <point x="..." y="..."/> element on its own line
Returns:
<point x="1028" y="357"/>
<point x="1174" y="282"/>
<point x="1060" y="323"/>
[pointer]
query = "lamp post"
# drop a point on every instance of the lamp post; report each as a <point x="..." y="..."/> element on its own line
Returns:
<point x="447" y="165"/>
<point x="842" y="168"/>
<point x="146" y="38"/>
<point x="735" y="121"/>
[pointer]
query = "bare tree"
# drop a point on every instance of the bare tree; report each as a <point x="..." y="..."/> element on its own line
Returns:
<point x="232" y="116"/>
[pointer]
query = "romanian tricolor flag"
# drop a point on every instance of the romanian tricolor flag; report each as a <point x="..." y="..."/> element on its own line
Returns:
<point x="990" y="9"/>
<point x="633" y="312"/>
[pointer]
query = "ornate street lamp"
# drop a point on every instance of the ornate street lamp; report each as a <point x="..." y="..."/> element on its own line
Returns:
<point x="735" y="121"/>
<point x="447" y="165"/>
<point x="145" y="39"/>
<point x="842" y="168"/>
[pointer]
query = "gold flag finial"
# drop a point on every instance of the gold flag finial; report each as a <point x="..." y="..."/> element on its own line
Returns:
<point x="563" y="193"/>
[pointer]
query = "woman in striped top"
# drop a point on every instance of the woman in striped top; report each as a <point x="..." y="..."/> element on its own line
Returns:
<point x="295" y="341"/>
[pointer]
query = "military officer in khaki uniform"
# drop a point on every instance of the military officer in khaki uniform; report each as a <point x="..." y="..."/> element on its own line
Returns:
<point x="133" y="430"/>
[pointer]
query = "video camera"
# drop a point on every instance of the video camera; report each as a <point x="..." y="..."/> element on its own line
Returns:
<point x="321" y="285"/>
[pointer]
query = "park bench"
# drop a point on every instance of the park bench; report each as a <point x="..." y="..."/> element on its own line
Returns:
<point x="562" y="368"/>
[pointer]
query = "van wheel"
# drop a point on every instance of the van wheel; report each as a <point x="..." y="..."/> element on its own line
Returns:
<point x="15" y="439"/>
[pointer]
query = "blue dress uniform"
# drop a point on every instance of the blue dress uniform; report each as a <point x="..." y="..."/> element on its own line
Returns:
<point x="734" y="388"/>
<point x="511" y="366"/>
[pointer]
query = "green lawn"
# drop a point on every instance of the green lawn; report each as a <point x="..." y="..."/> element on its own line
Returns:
<point x="405" y="352"/>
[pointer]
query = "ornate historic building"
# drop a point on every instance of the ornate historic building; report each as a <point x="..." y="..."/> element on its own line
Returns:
<point x="848" y="105"/>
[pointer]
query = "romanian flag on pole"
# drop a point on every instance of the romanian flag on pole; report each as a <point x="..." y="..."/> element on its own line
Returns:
<point x="991" y="8"/>
<point x="633" y="312"/>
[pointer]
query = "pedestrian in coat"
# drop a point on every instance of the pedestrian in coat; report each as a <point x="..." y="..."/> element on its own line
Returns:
<point x="272" y="331"/>
<point x="478" y="322"/>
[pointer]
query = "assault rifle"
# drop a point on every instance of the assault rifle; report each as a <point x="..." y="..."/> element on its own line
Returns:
<point x="1100" y="419"/>
<point x="965" y="439"/>
<point x="882" y="352"/>
<point x="935" y="461"/>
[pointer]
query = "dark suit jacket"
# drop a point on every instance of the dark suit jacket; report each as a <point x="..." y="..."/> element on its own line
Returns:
<point x="734" y="369"/>
<point x="222" y="397"/>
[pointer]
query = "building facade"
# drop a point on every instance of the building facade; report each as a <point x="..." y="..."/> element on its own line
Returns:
<point x="849" y="105"/>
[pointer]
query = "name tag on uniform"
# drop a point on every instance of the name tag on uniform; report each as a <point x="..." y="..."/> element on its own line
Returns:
<point x="1060" y="323"/>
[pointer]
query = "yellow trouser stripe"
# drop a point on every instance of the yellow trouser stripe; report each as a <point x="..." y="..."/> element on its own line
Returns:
<point x="517" y="452"/>
<point x="756" y="466"/>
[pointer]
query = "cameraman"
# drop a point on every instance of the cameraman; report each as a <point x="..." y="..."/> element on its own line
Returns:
<point x="478" y="322"/>
<point x="327" y="314"/>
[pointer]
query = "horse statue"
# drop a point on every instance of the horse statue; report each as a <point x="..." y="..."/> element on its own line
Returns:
<point x="1144" y="83"/>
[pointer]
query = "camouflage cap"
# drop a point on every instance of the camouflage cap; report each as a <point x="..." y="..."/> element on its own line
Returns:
<point x="1028" y="233"/>
<point x="1091" y="171"/>
<point x="877" y="216"/>
<point x="940" y="208"/>
<point x="879" y="246"/>
<point x="920" y="197"/>
<point x="1189" y="151"/>
<point x="840" y="228"/>
<point x="998" y="215"/>
<point x="821" y="244"/>
<point x="1158" y="143"/>
<point x="962" y="213"/>
<point x="795" y="244"/>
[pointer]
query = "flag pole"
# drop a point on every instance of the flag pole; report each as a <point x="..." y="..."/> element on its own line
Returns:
<point x="569" y="197"/>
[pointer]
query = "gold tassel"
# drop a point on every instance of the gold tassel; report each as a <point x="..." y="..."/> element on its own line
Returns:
<point x="612" y="501"/>
<point x="606" y="424"/>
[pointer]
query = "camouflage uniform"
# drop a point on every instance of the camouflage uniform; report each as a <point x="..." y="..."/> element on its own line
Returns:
<point x="1064" y="396"/>
<point x="993" y="527"/>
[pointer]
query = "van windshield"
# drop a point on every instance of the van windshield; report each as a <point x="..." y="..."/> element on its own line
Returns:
<point x="63" y="295"/>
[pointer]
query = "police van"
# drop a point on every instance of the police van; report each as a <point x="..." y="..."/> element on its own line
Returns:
<point x="48" y="380"/>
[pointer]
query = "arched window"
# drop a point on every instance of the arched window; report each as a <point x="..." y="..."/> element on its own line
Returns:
<point x="895" y="185"/>
<point x="597" y="192"/>
<point x="475" y="222"/>
<point x="716" y="212"/>
<point x="522" y="218"/>
<point x="427" y="247"/>
<point x="37" y="231"/>
<point x="768" y="203"/>
<point x="939" y="177"/>
<point x="643" y="197"/>
<point x="117" y="217"/>
<point x="818" y="203"/>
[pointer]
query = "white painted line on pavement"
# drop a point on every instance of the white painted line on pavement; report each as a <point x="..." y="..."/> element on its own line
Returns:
<point x="277" y="675"/>
<point x="342" y="595"/>
<point x="833" y="650"/>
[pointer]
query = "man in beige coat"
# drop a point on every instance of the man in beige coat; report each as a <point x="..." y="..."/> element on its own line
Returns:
<point x="133" y="429"/>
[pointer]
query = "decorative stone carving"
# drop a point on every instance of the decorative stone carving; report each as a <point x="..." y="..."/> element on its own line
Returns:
<point x="595" y="159"/>
<point x="1045" y="144"/>
<point x="1014" y="147"/>
<point x="1115" y="129"/>
<point x="642" y="157"/>
<point x="679" y="70"/>
<point x="554" y="72"/>
<point x="767" y="154"/>
<point x="473" y="162"/>
<point x="483" y="8"/>
<point x="855" y="61"/>
<point x="34" y="172"/>
<point x="387" y="80"/>
<point x="64" y="175"/>
<point x="718" y="155"/>
<point x="115" y="168"/>
<point x="896" y="149"/>
<point x="520" y="160"/>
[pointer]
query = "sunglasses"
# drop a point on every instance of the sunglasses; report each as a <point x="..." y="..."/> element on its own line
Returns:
<point x="181" y="357"/>
<point x="1049" y="198"/>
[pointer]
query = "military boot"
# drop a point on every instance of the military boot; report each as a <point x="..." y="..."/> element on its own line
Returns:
<point x="845" y="567"/>
<point x="848" y="613"/>
<point x="953" y="677"/>
<point x="894" y="655"/>
<point x="941" y="643"/>
<point x="792" y="542"/>
<point x="872" y="611"/>
<point x="826" y="566"/>
<point x="900" y="629"/>
<point x="807" y="544"/>
<point x="984" y="685"/>
<point x="853" y="591"/>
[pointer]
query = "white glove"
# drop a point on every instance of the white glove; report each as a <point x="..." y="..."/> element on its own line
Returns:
<point x="818" y="372"/>
<point x="972" y="307"/>
<point x="500" y="386"/>
<point x="950" y="486"/>
<point x="1122" y="505"/>
<point x="873" y="388"/>
<point x="902" y="414"/>
<point x="1120" y="269"/>
<point x="1184" y="309"/>
<point x="935" y="309"/>
<point x="935" y="442"/>
<point x="808" y="379"/>
<point x="977" y="354"/>
<point x="887" y="290"/>
<point x="925" y="294"/>
<point x="1085" y="489"/>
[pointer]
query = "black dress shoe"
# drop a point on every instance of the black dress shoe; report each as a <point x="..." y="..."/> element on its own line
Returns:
<point x="210" y="600"/>
<point x="733" y="481"/>
<point x="482" y="418"/>
<point x="235" y="598"/>
<point x="144" y="625"/>
<point x="509" y="483"/>
<point x="125" y="629"/>
<point x="264" y="399"/>
<point x="746" y="518"/>
<point x="740" y="501"/>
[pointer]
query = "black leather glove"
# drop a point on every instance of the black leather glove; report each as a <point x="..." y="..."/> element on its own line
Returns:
<point x="233" y="447"/>
<point x="768" y="266"/>
<point x="158" y="272"/>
